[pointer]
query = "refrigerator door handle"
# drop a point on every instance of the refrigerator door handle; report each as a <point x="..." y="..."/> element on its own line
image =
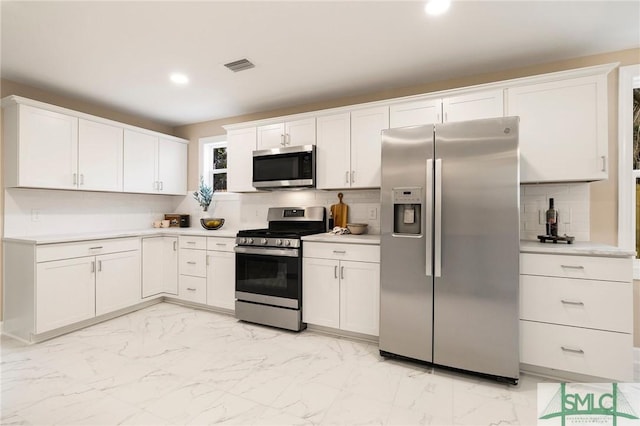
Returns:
<point x="437" y="262"/>
<point x="428" y="219"/>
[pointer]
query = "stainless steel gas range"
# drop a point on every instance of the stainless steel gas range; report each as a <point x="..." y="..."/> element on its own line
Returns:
<point x="269" y="267"/>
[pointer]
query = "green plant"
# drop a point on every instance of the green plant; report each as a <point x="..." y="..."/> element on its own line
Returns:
<point x="636" y="129"/>
<point x="204" y="194"/>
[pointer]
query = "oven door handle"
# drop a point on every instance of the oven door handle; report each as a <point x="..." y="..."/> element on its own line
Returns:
<point x="267" y="251"/>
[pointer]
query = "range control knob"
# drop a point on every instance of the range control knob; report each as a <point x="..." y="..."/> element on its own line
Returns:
<point x="263" y="241"/>
<point x="287" y="243"/>
<point x="242" y="240"/>
<point x="278" y="242"/>
<point x="250" y="240"/>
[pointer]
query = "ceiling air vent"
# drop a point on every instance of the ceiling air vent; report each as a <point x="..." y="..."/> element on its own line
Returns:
<point x="239" y="65"/>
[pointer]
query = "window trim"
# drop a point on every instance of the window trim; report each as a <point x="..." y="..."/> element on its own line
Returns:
<point x="629" y="78"/>
<point x="205" y="145"/>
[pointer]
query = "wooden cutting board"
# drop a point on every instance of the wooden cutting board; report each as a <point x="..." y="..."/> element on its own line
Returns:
<point x="339" y="212"/>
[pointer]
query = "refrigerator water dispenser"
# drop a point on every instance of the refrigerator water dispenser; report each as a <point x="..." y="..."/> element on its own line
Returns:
<point x="407" y="211"/>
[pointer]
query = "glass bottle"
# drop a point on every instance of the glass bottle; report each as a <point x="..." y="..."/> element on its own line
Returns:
<point x="552" y="220"/>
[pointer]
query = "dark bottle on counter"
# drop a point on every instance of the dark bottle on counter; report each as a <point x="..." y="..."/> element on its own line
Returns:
<point x="552" y="220"/>
<point x="330" y="221"/>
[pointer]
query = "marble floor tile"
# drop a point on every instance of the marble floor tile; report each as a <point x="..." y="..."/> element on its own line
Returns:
<point x="174" y="365"/>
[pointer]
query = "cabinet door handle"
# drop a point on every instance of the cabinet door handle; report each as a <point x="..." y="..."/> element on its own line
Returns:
<point x="75" y="178"/>
<point x="571" y="302"/>
<point x="282" y="142"/>
<point x="93" y="267"/>
<point x="175" y="246"/>
<point x="207" y="262"/>
<point x="353" y="176"/>
<point x="161" y="185"/>
<point x="335" y="272"/>
<point x="342" y="272"/>
<point x="604" y="163"/>
<point x="571" y="267"/>
<point x="191" y="263"/>
<point x="81" y="178"/>
<point x="346" y="177"/>
<point x="99" y="265"/>
<point x="572" y="350"/>
<point x="191" y="289"/>
<point x="446" y="118"/>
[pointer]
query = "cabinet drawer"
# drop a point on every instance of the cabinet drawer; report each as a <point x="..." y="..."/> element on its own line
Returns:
<point x="585" y="267"/>
<point x="221" y="243"/>
<point x="605" y="305"/>
<point x="193" y="262"/>
<point x="47" y="252"/>
<point x="356" y="252"/>
<point x="193" y="289"/>
<point x="188" y="242"/>
<point x="578" y="350"/>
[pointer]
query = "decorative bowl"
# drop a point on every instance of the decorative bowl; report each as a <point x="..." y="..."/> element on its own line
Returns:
<point x="357" y="228"/>
<point x="211" y="223"/>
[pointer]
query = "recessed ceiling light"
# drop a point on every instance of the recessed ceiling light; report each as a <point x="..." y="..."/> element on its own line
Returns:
<point x="179" y="78"/>
<point x="437" y="7"/>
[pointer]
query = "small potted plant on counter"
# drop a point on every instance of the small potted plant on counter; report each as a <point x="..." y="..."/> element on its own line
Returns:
<point x="203" y="195"/>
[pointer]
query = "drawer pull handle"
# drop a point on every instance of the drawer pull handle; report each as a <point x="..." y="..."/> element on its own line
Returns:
<point x="221" y="244"/>
<point x="575" y="351"/>
<point x="191" y="289"/>
<point x="571" y="302"/>
<point x="95" y="248"/>
<point x="191" y="263"/>
<point x="571" y="267"/>
<point x="339" y="252"/>
<point x="191" y="242"/>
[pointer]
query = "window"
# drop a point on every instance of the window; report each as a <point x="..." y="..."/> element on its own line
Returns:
<point x="213" y="153"/>
<point x="629" y="161"/>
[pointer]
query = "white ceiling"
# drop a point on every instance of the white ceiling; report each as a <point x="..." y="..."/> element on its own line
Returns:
<point x="119" y="54"/>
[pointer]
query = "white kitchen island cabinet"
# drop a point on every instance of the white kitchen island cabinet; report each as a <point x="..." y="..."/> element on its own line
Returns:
<point x="51" y="289"/>
<point x="468" y="106"/>
<point x="341" y="286"/>
<point x="287" y="134"/>
<point x="154" y="165"/>
<point x="349" y="148"/>
<point x="221" y="273"/>
<point x="240" y="146"/>
<point x="563" y="129"/>
<point x="159" y="266"/>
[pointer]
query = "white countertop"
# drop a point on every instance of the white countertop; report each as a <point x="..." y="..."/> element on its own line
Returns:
<point x="85" y="236"/>
<point x="583" y="248"/>
<point x="346" y="238"/>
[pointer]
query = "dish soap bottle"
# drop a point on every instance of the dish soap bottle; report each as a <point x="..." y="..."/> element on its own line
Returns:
<point x="552" y="220"/>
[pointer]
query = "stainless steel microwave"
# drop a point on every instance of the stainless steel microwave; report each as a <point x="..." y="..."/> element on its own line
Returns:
<point x="291" y="167"/>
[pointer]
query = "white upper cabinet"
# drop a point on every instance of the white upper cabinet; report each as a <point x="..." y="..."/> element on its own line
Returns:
<point x="333" y="151"/>
<point x="100" y="151"/>
<point x="240" y="146"/>
<point x="289" y="133"/>
<point x="563" y="129"/>
<point x="473" y="106"/>
<point x="366" y="146"/>
<point x="415" y="113"/>
<point x="40" y="148"/>
<point x="172" y="167"/>
<point x="154" y="165"/>
<point x="470" y="106"/>
<point x="349" y="148"/>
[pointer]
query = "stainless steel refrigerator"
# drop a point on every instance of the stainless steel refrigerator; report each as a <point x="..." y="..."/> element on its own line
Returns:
<point x="450" y="245"/>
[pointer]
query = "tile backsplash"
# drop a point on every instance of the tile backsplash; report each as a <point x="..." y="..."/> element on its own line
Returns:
<point x="51" y="212"/>
<point x="570" y="199"/>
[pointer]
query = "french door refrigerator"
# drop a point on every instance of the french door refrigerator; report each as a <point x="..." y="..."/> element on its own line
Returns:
<point x="449" y="265"/>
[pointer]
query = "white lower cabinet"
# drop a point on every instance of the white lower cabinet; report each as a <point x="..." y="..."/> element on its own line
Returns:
<point x="341" y="286"/>
<point x="576" y="314"/>
<point x="159" y="266"/>
<point x="65" y="293"/>
<point x="221" y="273"/>
<point x="118" y="283"/>
<point x="192" y="265"/>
